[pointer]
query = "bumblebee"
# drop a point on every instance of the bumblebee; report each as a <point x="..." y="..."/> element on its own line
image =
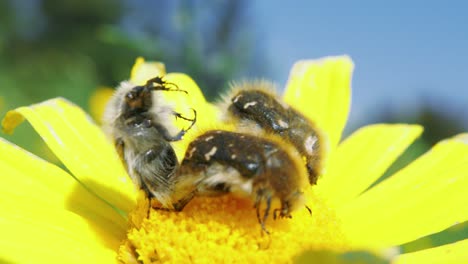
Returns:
<point x="139" y="122"/>
<point x="220" y="162"/>
<point x="255" y="105"/>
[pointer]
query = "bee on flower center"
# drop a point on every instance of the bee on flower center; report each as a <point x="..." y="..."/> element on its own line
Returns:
<point x="262" y="159"/>
<point x="138" y="120"/>
<point x="262" y="168"/>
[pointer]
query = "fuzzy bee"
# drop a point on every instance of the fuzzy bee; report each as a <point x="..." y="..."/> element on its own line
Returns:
<point x="139" y="122"/>
<point x="254" y="105"/>
<point x="247" y="161"/>
<point x="271" y="154"/>
<point x="262" y="168"/>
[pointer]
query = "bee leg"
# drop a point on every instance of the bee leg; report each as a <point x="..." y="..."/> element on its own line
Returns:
<point x="193" y="120"/>
<point x="179" y="205"/>
<point x="265" y="215"/>
<point x="165" y="133"/>
<point x="285" y="211"/>
<point x="258" y="201"/>
<point x="276" y="213"/>
<point x="313" y="171"/>
<point x="161" y="85"/>
<point x="183" y="131"/>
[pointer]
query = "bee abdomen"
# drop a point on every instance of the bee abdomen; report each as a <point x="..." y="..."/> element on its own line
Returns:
<point x="261" y="108"/>
<point x="240" y="151"/>
<point x="265" y="161"/>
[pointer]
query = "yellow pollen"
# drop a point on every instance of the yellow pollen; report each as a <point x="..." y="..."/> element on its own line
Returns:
<point x="225" y="230"/>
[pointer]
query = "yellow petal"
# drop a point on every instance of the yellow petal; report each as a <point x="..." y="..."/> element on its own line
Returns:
<point x="81" y="146"/>
<point x="452" y="253"/>
<point x="45" y="183"/>
<point x="143" y="71"/>
<point x="462" y="137"/>
<point x="427" y="196"/>
<point x="207" y="114"/>
<point x="33" y="233"/>
<point x="362" y="158"/>
<point x="98" y="102"/>
<point x="48" y="217"/>
<point x="321" y="90"/>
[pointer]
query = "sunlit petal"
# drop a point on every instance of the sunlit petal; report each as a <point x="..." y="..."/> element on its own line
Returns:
<point x="427" y="196"/>
<point x="84" y="151"/>
<point x="362" y="158"/>
<point x="45" y="183"/>
<point x="321" y="90"/>
<point x="49" y="215"/>
<point x="98" y="101"/>
<point x="142" y="71"/>
<point x="452" y="253"/>
<point x="33" y="233"/>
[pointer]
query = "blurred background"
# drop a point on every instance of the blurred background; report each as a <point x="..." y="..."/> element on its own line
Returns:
<point x="410" y="57"/>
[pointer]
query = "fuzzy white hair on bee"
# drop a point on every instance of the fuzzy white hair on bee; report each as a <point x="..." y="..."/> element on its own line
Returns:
<point x="255" y="106"/>
<point x="138" y="120"/>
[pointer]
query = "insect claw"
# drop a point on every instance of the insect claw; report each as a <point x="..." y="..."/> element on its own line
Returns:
<point x="193" y="120"/>
<point x="308" y="209"/>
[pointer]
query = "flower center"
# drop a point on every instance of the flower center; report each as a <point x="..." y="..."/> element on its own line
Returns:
<point x="214" y="229"/>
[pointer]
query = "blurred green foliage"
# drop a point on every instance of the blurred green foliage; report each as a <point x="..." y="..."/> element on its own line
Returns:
<point x="68" y="48"/>
<point x="438" y="125"/>
<point x="329" y="257"/>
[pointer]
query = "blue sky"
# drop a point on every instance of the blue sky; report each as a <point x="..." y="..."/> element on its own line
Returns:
<point x="405" y="52"/>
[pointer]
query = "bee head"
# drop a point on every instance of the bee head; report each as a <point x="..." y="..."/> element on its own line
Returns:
<point x="139" y="98"/>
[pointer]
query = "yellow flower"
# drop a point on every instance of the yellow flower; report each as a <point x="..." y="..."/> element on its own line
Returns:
<point x="91" y="212"/>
